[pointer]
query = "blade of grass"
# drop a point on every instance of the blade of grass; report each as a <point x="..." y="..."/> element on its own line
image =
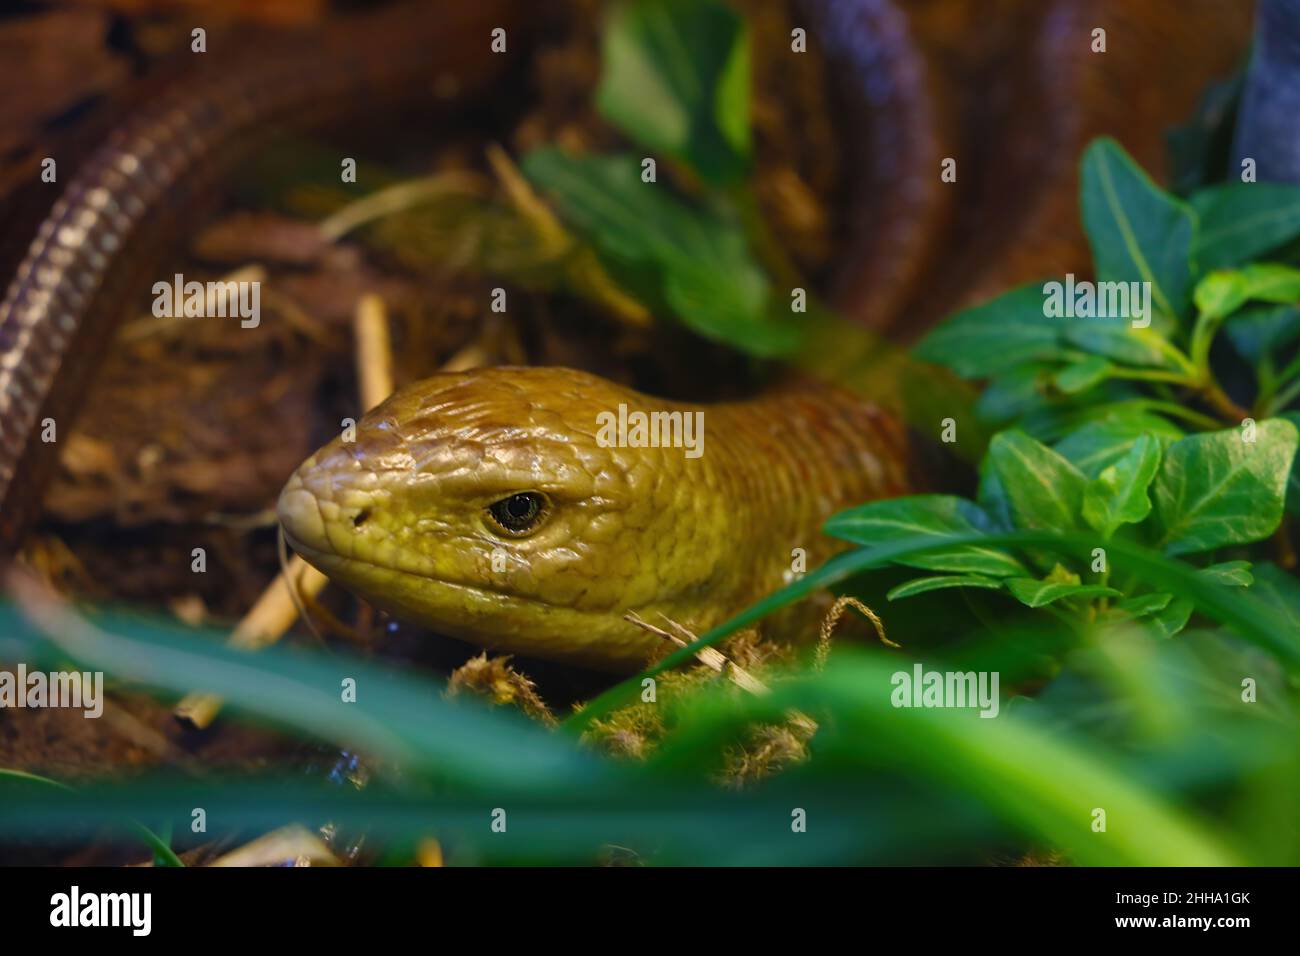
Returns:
<point x="162" y="851"/>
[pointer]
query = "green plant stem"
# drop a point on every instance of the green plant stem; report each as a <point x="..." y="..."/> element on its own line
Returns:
<point x="1230" y="412"/>
<point x="1177" y="356"/>
<point x="1174" y="410"/>
<point x="1268" y="382"/>
<point x="1207" y="325"/>
<point x="1153" y="375"/>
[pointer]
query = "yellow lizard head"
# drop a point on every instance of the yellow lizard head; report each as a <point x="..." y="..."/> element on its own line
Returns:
<point x="482" y="504"/>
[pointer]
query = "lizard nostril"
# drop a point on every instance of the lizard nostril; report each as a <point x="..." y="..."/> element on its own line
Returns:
<point x="361" y="517"/>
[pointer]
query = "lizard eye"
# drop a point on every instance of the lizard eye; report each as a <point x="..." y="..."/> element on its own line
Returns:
<point x="519" y="514"/>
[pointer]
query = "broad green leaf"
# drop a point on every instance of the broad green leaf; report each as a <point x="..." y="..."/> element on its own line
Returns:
<point x="1118" y="495"/>
<point x="995" y="336"/>
<point x="923" y="585"/>
<point x="1097" y="445"/>
<point x="1215" y="489"/>
<point x="1034" y="593"/>
<point x="693" y="263"/>
<point x="1138" y="232"/>
<point x="676" y="79"/>
<point x="1221" y="293"/>
<point x="1120" y="341"/>
<point x="1044" y="489"/>
<point x="1083" y="375"/>
<point x="881" y="522"/>
<point x="1242" y="221"/>
<point x="1230" y="573"/>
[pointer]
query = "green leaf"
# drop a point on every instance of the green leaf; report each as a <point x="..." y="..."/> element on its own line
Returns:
<point x="1221" y="293"/>
<point x="995" y="336"/>
<point x="1272" y="282"/>
<point x="1043" y="488"/>
<point x="676" y="79"/>
<point x="1173" y="618"/>
<point x="922" y="585"/>
<point x="1118" y="340"/>
<point x="1119" y="494"/>
<point x="1083" y="375"/>
<point x="1144" y="604"/>
<point x="1230" y="573"/>
<point x="881" y="522"/>
<point x="1097" y="445"/>
<point x="1034" y="593"/>
<point x="1242" y="221"/>
<point x="693" y="263"/>
<point x="1138" y="232"/>
<point x="1215" y="489"/>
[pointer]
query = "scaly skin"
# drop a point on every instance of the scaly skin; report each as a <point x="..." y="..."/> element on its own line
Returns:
<point x="400" y="517"/>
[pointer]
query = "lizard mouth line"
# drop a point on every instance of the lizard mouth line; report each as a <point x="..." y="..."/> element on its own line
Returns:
<point x="339" y="562"/>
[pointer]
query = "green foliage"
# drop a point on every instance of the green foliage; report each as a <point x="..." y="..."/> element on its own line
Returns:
<point x="676" y="80"/>
<point x="1049" y="374"/>
<point x="904" y="518"/>
<point x="1109" y="402"/>
<point x="983" y="782"/>
<point x="1006" y="333"/>
<point x="1203" y="492"/>
<point x="689" y="261"/>
<point x="1138" y="231"/>
<point x="1042" y="489"/>
<point x="1241" y="221"/>
<point x="1221" y="293"/>
<point x="1120" y="464"/>
<point x="1118" y="495"/>
<point x="1218" y="489"/>
<point x="19" y="781"/>
<point x="1057" y="585"/>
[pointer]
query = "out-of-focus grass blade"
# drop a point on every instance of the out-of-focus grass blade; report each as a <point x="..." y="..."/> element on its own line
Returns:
<point x="394" y="716"/>
<point x="162" y="852"/>
<point x="1046" y="784"/>
<point x="690" y="824"/>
